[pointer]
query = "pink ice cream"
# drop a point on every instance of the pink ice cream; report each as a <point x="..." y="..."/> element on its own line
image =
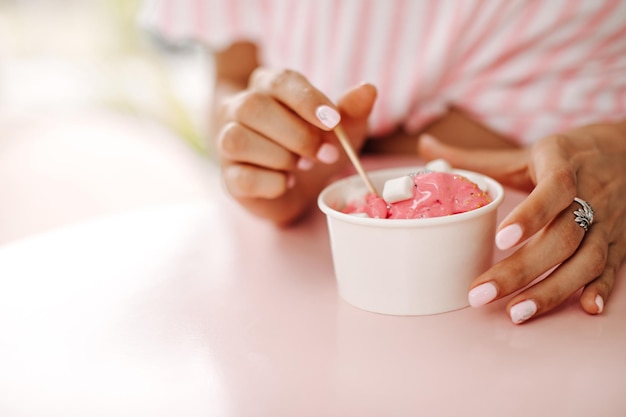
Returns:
<point x="435" y="194"/>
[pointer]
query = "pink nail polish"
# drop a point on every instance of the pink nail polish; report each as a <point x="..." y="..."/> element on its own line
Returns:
<point x="328" y="116"/>
<point x="291" y="181"/>
<point x="509" y="236"/>
<point x="482" y="294"/>
<point x="599" y="303"/>
<point x="522" y="311"/>
<point x="328" y="153"/>
<point x="305" y="164"/>
<point x="427" y="138"/>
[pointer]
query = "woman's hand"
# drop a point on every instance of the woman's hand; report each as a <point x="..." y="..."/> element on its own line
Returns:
<point x="275" y="141"/>
<point x="588" y="163"/>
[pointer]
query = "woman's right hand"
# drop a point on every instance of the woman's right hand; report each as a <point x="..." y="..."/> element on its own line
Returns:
<point x="275" y="141"/>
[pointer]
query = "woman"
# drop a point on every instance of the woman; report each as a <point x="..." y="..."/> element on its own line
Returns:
<point x="530" y="93"/>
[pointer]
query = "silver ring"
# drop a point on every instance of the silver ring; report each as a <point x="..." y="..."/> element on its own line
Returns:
<point x="584" y="216"/>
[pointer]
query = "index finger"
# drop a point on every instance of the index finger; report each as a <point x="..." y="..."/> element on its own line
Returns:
<point x="555" y="189"/>
<point x="297" y="93"/>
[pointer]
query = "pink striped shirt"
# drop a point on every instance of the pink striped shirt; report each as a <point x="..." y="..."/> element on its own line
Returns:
<point x="525" y="68"/>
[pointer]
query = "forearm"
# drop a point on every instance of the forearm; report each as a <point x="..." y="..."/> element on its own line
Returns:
<point x="453" y="128"/>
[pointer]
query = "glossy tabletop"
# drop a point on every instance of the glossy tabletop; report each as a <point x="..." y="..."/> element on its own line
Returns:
<point x="199" y="309"/>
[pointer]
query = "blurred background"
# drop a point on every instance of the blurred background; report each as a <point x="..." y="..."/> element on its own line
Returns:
<point x="96" y="115"/>
<point x="75" y="53"/>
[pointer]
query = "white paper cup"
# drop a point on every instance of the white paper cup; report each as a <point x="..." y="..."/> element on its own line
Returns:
<point x="408" y="267"/>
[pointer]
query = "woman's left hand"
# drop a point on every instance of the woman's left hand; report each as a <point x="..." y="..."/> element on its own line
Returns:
<point x="588" y="163"/>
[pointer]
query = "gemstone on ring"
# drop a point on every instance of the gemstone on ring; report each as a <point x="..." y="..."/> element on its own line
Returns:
<point x="584" y="215"/>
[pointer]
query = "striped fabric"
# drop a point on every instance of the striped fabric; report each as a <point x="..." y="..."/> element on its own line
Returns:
<point x="525" y="68"/>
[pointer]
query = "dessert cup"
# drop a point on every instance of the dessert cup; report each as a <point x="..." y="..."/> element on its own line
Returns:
<point x="408" y="266"/>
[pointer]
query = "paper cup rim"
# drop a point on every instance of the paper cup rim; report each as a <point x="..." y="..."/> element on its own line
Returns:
<point x="495" y="189"/>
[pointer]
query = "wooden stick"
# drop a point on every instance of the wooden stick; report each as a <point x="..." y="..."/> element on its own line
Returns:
<point x="347" y="146"/>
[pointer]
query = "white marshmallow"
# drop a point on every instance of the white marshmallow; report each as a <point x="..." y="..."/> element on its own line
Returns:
<point x="439" y="165"/>
<point x="398" y="189"/>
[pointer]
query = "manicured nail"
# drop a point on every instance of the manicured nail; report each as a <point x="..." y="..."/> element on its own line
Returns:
<point x="482" y="294"/>
<point x="305" y="164"/>
<point x="599" y="303"/>
<point x="291" y="181"/>
<point x="509" y="236"/>
<point x="521" y="312"/>
<point x="328" y="116"/>
<point x="427" y="138"/>
<point x="328" y="153"/>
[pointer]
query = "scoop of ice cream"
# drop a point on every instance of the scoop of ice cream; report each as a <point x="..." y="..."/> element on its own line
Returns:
<point x="433" y="194"/>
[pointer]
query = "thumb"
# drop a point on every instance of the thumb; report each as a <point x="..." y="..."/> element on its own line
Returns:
<point x="358" y="102"/>
<point x="356" y="106"/>
<point x="509" y="166"/>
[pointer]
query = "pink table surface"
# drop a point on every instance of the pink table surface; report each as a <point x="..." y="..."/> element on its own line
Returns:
<point x="199" y="309"/>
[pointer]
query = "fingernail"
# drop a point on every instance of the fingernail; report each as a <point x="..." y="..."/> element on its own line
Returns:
<point x="428" y="138"/>
<point x="482" y="294"/>
<point x="521" y="312"/>
<point x="599" y="303"/>
<point x="291" y="181"/>
<point x="508" y="236"/>
<point x="328" y="153"/>
<point x="305" y="164"/>
<point x="328" y="116"/>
